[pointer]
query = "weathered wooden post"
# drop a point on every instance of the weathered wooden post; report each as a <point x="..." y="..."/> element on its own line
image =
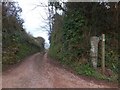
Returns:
<point x="94" y="50"/>
<point x="103" y="53"/>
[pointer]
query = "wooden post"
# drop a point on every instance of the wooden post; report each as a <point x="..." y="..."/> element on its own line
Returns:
<point x="103" y="53"/>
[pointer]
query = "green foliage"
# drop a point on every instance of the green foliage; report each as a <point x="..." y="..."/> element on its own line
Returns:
<point x="112" y="60"/>
<point x="71" y="32"/>
<point x="9" y="54"/>
<point x="25" y="50"/>
<point x="17" y="44"/>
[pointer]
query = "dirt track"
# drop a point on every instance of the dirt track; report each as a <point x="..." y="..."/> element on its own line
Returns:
<point x="36" y="72"/>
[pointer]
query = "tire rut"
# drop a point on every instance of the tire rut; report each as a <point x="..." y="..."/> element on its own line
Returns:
<point x="36" y="72"/>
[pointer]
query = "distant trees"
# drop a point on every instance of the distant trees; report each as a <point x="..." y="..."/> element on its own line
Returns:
<point x="40" y="41"/>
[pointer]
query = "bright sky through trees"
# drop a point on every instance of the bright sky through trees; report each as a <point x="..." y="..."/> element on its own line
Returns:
<point x="33" y="17"/>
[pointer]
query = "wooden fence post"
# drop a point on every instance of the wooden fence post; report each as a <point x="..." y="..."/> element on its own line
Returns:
<point x="103" y="53"/>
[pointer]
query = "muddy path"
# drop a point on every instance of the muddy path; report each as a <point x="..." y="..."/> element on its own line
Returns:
<point x="36" y="71"/>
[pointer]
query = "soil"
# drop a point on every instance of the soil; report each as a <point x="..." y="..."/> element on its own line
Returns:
<point x="38" y="71"/>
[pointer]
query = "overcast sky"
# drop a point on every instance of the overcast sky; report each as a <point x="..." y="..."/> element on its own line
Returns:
<point x="34" y="17"/>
